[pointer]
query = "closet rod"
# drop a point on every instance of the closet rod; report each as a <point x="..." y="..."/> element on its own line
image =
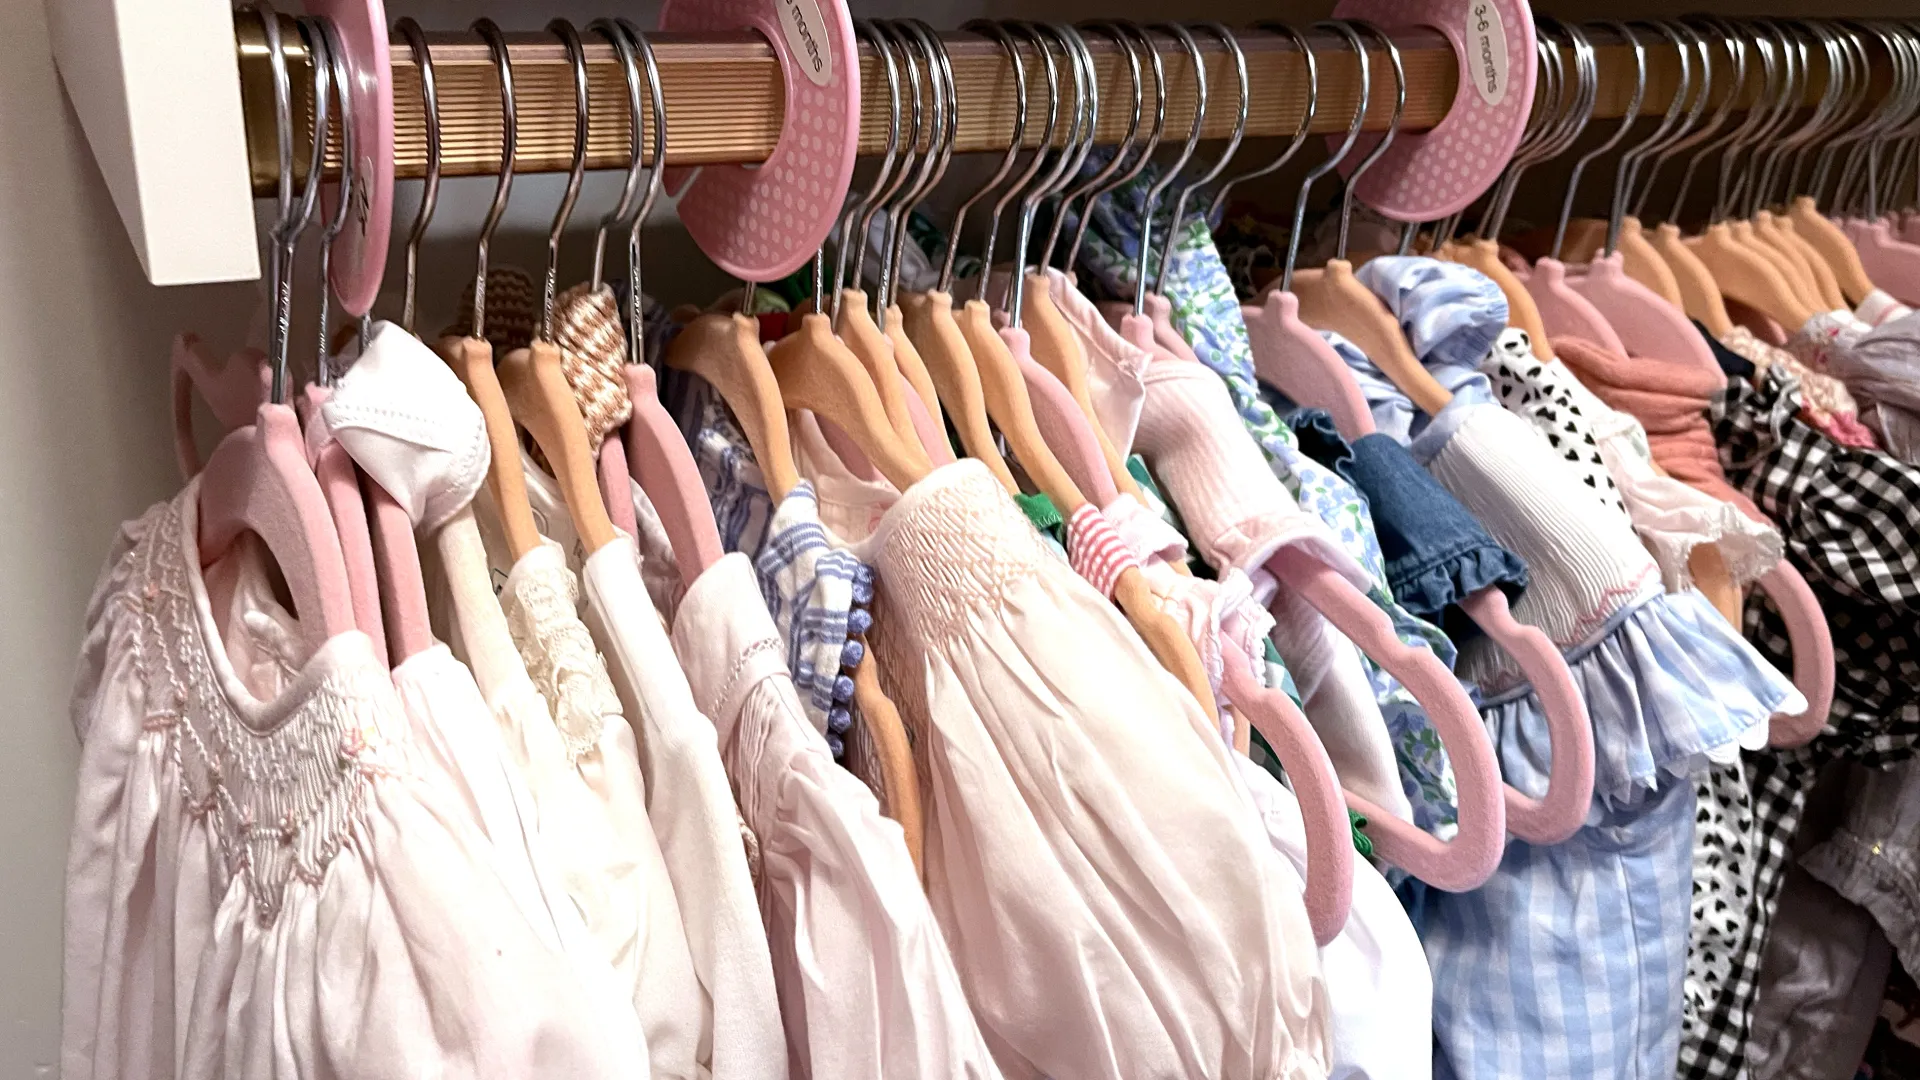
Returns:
<point x="726" y="103"/>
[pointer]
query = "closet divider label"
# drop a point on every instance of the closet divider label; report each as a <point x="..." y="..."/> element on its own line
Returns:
<point x="803" y="24"/>
<point x="1487" y="48"/>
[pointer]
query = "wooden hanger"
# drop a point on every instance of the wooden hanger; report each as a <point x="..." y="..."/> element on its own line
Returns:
<point x="542" y="402"/>
<point x="913" y="367"/>
<point x="1835" y="250"/>
<point x="1746" y="276"/>
<point x="816" y="371"/>
<point x="1778" y="233"/>
<point x="1333" y="299"/>
<point x="1797" y="276"/>
<point x="1057" y="349"/>
<point x="535" y="385"/>
<point x="1005" y="391"/>
<point x="1700" y="295"/>
<point x="1484" y="255"/>
<point x="869" y="344"/>
<point x="929" y="323"/>
<point x="725" y="350"/>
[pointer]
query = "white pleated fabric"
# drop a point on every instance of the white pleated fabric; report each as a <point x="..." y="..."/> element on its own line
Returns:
<point x="275" y="888"/>
<point x="693" y="814"/>
<point x="594" y="796"/>
<point x="1089" y="853"/>
<point x="407" y="421"/>
<point x="1377" y="975"/>
<point x="1239" y="514"/>
<point x="867" y="988"/>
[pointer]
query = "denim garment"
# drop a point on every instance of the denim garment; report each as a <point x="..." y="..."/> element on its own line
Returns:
<point x="1436" y="553"/>
<point x="1732" y="363"/>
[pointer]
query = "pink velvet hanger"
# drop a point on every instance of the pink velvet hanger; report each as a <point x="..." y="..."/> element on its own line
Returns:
<point x="658" y="458"/>
<point x="257" y="480"/>
<point x="1892" y="263"/>
<point x="340" y="483"/>
<point x="1645" y="323"/>
<point x="1066" y="432"/>
<point x="1563" y="310"/>
<point x="1811" y="639"/>
<point x="616" y="482"/>
<point x="1471" y="856"/>
<point x="233" y="391"/>
<point x="1293" y="357"/>
<point x="1329" y="894"/>
<point x="927" y="430"/>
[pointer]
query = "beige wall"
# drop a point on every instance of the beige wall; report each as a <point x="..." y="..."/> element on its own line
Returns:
<point x="83" y="445"/>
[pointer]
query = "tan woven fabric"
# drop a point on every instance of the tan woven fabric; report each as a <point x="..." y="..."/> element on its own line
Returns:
<point x="593" y="349"/>
<point x="513" y="307"/>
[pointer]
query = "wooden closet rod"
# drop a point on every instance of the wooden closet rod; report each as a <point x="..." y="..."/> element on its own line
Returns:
<point x="725" y="101"/>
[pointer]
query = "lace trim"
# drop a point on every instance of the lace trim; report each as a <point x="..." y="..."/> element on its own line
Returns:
<point x="541" y="605"/>
<point x="281" y="803"/>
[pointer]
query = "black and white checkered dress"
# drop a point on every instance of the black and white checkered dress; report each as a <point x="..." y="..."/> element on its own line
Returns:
<point x="1851" y="518"/>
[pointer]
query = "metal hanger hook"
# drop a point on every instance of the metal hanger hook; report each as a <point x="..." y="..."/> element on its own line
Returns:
<point x="430" y="187"/>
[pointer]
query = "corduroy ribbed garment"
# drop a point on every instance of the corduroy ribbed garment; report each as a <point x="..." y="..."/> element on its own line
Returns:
<point x="1239" y="514"/>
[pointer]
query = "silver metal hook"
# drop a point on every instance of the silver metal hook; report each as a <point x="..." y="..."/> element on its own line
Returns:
<point x="945" y="128"/>
<point x="1166" y="178"/>
<point x="430" y="188"/>
<point x="1585" y="57"/>
<point x="332" y="224"/>
<point x="1751" y="128"/>
<point x="1543" y="131"/>
<point x="1307" y="114"/>
<point x="1709" y="138"/>
<point x="1239" y="58"/>
<point x="509" y="143"/>
<point x="1617" y="202"/>
<point x="1339" y="153"/>
<point x="1687" y="41"/>
<point x="656" y="96"/>
<point x="900" y="191"/>
<point x="1033" y="187"/>
<point x="1083" y="136"/>
<point x="1092" y="186"/>
<point x="1033" y="164"/>
<point x="296" y="213"/>
<point x="1386" y="140"/>
<point x="630" y="68"/>
<point x="576" y="172"/>
<point x="854" y="221"/>
<point x="1136" y="42"/>
<point x="1012" y="49"/>
<point x="1672" y="124"/>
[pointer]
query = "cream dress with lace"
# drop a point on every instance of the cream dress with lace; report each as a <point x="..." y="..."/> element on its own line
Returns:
<point x="263" y="888"/>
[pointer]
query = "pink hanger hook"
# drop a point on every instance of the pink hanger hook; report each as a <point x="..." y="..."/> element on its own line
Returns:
<point x="360" y="254"/>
